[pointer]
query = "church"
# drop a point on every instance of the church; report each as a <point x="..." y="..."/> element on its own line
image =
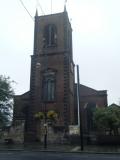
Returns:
<point x="52" y="80"/>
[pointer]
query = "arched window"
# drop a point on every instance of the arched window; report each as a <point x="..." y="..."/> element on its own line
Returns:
<point x="49" y="86"/>
<point x="90" y="109"/>
<point x="50" y="36"/>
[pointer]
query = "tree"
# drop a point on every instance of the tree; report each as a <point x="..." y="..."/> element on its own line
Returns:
<point x="6" y="100"/>
<point x="107" y="119"/>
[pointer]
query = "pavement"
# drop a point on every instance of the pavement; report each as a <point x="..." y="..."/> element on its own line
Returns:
<point x="61" y="148"/>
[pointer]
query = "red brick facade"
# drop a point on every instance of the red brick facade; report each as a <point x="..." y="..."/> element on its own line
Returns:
<point x="52" y="56"/>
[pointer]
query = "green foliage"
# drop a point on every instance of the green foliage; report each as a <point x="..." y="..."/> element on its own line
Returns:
<point x="50" y="115"/>
<point x="6" y="103"/>
<point x="39" y="116"/>
<point x="107" y="119"/>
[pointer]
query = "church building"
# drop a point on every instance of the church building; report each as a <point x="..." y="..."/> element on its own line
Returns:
<point x="52" y="80"/>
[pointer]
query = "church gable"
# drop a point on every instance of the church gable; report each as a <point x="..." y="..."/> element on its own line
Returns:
<point x="84" y="90"/>
<point x="88" y="91"/>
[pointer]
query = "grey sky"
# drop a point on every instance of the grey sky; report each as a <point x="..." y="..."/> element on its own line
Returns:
<point x="96" y="39"/>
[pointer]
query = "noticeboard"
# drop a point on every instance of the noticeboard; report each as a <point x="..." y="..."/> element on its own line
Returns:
<point x="74" y="130"/>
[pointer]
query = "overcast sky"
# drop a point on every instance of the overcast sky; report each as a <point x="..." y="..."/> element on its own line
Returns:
<point x="96" y="41"/>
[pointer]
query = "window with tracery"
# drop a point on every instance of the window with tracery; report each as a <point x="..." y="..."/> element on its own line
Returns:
<point x="50" y="36"/>
<point x="49" y="86"/>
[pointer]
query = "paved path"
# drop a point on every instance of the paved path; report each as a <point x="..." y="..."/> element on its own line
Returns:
<point x="27" y="155"/>
<point x="62" y="148"/>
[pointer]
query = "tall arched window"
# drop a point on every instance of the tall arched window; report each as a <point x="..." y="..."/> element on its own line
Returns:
<point x="50" y="36"/>
<point x="49" y="86"/>
<point x="90" y="109"/>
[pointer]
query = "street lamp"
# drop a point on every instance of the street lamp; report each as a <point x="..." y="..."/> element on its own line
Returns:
<point x="45" y="126"/>
<point x="45" y="135"/>
<point x="79" y="109"/>
<point x="49" y="118"/>
<point x="45" y="119"/>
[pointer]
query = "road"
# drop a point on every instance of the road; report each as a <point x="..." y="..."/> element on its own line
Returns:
<point x="29" y="155"/>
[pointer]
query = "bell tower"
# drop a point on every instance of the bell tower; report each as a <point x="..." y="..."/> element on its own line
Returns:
<point x="52" y="70"/>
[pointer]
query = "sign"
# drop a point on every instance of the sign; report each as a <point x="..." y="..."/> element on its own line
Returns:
<point x="74" y="130"/>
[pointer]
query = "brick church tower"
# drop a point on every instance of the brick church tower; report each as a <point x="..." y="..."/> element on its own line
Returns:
<point x="52" y="71"/>
<point x="52" y="84"/>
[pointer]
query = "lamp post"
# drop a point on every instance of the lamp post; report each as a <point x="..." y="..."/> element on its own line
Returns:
<point x="45" y="128"/>
<point x="45" y="112"/>
<point x="45" y="99"/>
<point x="79" y="109"/>
<point x="45" y="135"/>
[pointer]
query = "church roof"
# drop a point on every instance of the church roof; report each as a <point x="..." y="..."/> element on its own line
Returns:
<point x="87" y="91"/>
